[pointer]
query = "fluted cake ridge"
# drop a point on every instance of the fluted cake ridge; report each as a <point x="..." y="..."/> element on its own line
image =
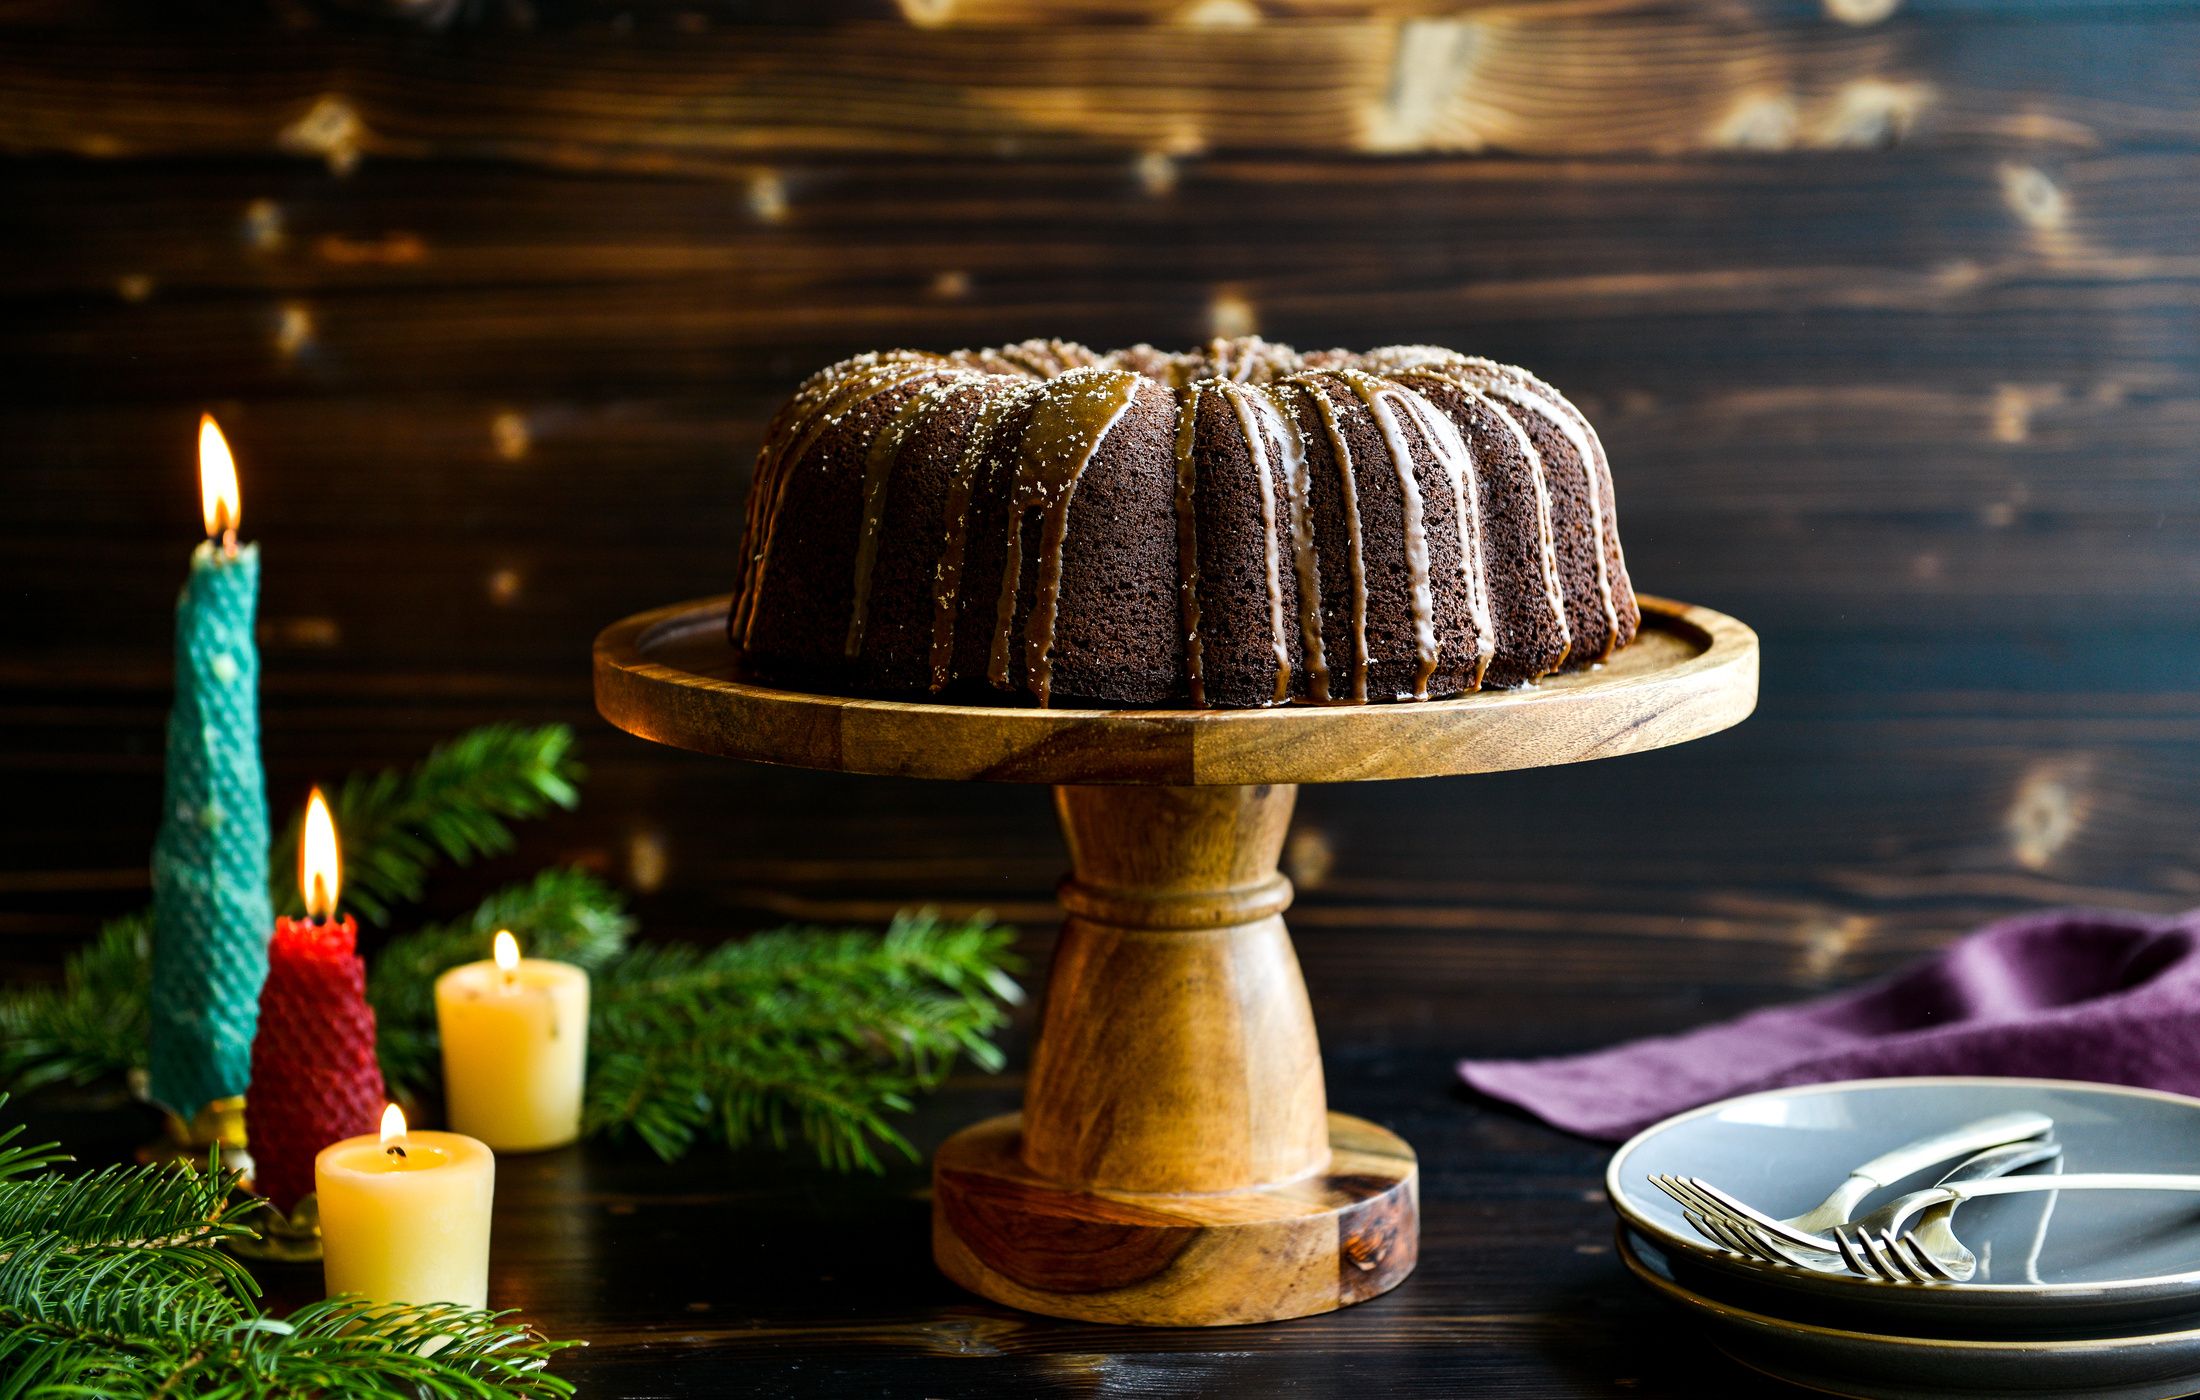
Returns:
<point x="1236" y="525"/>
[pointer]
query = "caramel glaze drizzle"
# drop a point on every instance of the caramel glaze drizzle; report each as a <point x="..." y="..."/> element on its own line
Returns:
<point x="955" y="542"/>
<point x="1376" y="395"/>
<point x="1443" y="439"/>
<point x="1298" y="492"/>
<point x="1245" y="403"/>
<point x="1356" y="566"/>
<point x="878" y="467"/>
<point x="1187" y="539"/>
<point x="1073" y="417"/>
<point x="1234" y="394"/>
<point x="775" y="467"/>
<point x="766" y="489"/>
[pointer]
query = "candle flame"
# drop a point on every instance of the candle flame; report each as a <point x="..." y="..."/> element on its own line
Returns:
<point x="320" y="859"/>
<point x="507" y="952"/>
<point x="218" y="494"/>
<point x="393" y="1128"/>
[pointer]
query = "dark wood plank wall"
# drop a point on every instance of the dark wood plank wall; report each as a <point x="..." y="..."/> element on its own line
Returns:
<point x="1886" y="311"/>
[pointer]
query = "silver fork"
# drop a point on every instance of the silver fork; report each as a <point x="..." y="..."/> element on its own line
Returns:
<point x="1931" y="1232"/>
<point x="1930" y="1236"/>
<point x="1879" y="1245"/>
<point x="1706" y="1204"/>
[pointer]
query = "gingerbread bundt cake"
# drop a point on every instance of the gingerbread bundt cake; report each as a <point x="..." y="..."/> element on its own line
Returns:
<point x="1236" y="526"/>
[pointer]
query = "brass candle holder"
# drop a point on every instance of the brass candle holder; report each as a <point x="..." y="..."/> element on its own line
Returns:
<point x="217" y="1124"/>
<point x="294" y="1238"/>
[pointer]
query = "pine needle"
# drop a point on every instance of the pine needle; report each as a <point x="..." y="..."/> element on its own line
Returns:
<point x="456" y="805"/>
<point x="801" y="1035"/>
<point x="113" y="1285"/>
<point x="92" y="1025"/>
<point x="808" y="1034"/>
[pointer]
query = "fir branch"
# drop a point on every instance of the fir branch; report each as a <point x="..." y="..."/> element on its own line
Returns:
<point x="339" y="1346"/>
<point x="799" y="1033"/>
<point x="111" y="1285"/>
<point x="456" y="805"/>
<point x="565" y="914"/>
<point x="811" y="1034"/>
<point x="18" y="1159"/>
<point x="92" y="1024"/>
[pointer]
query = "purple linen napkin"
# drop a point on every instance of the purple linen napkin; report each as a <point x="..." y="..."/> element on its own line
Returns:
<point x="2073" y="994"/>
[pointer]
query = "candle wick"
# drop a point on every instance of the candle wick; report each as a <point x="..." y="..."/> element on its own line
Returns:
<point x="395" y="1149"/>
<point x="229" y="541"/>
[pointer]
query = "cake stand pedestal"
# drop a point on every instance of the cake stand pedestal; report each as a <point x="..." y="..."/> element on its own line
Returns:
<point x="1176" y="1161"/>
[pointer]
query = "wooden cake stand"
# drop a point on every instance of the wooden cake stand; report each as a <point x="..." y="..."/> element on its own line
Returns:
<point x="1176" y="1161"/>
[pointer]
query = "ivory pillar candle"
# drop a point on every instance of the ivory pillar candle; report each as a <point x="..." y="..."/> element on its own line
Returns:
<point x="405" y="1216"/>
<point x="515" y="1048"/>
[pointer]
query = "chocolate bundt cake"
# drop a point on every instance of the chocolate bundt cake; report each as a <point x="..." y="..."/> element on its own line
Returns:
<point x="1240" y="525"/>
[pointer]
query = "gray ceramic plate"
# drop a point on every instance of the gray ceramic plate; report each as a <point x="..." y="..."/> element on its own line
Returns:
<point x="2071" y="1264"/>
<point x="2152" y="1365"/>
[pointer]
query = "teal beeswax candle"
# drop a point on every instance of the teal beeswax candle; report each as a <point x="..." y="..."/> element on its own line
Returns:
<point x="211" y="912"/>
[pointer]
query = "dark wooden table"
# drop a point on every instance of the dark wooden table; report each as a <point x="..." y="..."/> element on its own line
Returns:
<point x="750" y="1276"/>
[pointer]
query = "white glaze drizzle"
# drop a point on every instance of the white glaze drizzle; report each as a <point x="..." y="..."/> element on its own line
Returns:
<point x="1356" y="565"/>
<point x="1272" y="571"/>
<point x="1298" y="486"/>
<point x="1450" y="449"/>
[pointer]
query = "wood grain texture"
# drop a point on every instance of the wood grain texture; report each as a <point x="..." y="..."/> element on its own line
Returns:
<point x="1587" y="80"/>
<point x="668" y="676"/>
<point x="1176" y="1053"/>
<point x="1175" y="1162"/>
<point x="1338" y="1236"/>
<point x="494" y="358"/>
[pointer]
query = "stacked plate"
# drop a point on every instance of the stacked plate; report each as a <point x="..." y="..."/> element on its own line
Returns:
<point x="2090" y="1294"/>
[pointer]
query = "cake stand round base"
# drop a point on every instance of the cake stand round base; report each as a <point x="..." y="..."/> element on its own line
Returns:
<point x="1261" y="1254"/>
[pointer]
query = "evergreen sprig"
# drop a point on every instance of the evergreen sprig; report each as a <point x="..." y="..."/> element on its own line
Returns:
<point x="92" y="1023"/>
<point x="113" y="1285"/>
<point x="455" y="805"/>
<point x="801" y="1034"/>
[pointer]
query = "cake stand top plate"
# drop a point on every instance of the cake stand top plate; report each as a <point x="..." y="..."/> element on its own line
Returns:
<point x="667" y="675"/>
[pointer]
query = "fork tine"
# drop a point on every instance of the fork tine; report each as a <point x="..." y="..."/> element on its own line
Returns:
<point x="1893" y="1251"/>
<point x="1744" y="1213"/>
<point x="1741" y="1236"/>
<point x="1693" y="1200"/>
<point x="1703" y="1227"/>
<point x="1722" y="1234"/>
<point x="1683" y="1191"/>
<point x="1892" y="1259"/>
<point x="1851" y="1254"/>
<point x="1876" y="1265"/>
<point x="1736" y="1237"/>
<point x="1923" y="1258"/>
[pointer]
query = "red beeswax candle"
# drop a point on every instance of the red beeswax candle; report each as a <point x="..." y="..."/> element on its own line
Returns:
<point x="314" y="1076"/>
